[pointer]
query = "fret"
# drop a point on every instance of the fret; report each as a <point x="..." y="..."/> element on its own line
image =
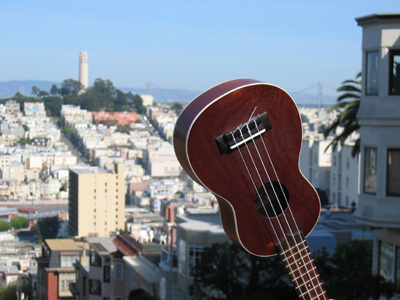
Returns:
<point x="301" y="275"/>
<point x="293" y="247"/>
<point x="308" y="285"/>
<point x="298" y="261"/>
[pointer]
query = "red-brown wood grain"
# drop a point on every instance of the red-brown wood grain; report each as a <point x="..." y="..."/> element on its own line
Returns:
<point x="222" y="109"/>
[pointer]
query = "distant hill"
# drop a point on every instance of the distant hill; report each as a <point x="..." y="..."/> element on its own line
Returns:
<point x="10" y="88"/>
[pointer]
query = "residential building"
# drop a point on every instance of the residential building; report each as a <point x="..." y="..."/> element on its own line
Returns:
<point x="379" y="119"/>
<point x="315" y="161"/>
<point x="96" y="201"/>
<point x="11" y="106"/>
<point x="110" y="268"/>
<point x="344" y="186"/>
<point x="160" y="160"/>
<point x="93" y="270"/>
<point x="116" y="118"/>
<point x="148" y="100"/>
<point x="56" y="268"/>
<point x="195" y="230"/>
<point x="34" y="109"/>
<point x="8" y="275"/>
<point x="72" y="114"/>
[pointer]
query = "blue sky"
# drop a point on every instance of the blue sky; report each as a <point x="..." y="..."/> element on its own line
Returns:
<point x="186" y="44"/>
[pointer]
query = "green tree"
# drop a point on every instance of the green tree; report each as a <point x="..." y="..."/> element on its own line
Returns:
<point x="4" y="225"/>
<point x="53" y="104"/>
<point x="35" y="91"/>
<point x="46" y="228"/>
<point x="104" y="92"/>
<point x="69" y="131"/>
<point x="177" y="107"/>
<point x="43" y="94"/>
<point x="140" y="294"/>
<point x="121" y="102"/>
<point x="347" y="273"/>
<point x="10" y="291"/>
<point x="137" y="103"/>
<point x="55" y="91"/>
<point x="19" y="222"/>
<point x="70" y="87"/>
<point x="348" y="105"/>
<point x="25" y="141"/>
<point x="232" y="273"/>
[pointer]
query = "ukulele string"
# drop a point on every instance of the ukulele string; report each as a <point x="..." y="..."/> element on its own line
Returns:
<point x="240" y="128"/>
<point x="262" y="203"/>
<point x="302" y="240"/>
<point x="255" y="187"/>
<point x="273" y="208"/>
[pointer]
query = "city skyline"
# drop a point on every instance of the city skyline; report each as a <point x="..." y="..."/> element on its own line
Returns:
<point x="190" y="45"/>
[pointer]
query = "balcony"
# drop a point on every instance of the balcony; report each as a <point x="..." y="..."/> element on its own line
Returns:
<point x="378" y="212"/>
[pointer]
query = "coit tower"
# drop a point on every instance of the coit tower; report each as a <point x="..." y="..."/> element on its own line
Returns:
<point x="84" y="70"/>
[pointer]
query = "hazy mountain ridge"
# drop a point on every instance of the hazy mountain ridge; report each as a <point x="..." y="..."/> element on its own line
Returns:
<point x="9" y="88"/>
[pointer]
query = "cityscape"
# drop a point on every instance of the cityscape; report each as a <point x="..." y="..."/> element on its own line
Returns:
<point x="108" y="212"/>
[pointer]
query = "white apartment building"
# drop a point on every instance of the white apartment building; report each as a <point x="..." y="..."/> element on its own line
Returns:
<point x="345" y="174"/>
<point x="315" y="161"/>
<point x="160" y="160"/>
<point x="379" y="119"/>
<point x="194" y="232"/>
<point x="164" y="188"/>
<point x="72" y="114"/>
<point x="34" y="109"/>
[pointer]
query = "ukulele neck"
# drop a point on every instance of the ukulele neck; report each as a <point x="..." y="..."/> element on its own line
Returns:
<point x="296" y="256"/>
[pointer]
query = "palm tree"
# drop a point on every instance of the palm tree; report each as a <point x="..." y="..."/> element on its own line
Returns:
<point x="348" y="104"/>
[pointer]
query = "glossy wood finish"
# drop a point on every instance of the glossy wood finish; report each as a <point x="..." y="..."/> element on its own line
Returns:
<point x="216" y="112"/>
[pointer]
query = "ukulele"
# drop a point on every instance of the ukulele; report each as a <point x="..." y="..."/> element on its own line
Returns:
<point x="241" y="140"/>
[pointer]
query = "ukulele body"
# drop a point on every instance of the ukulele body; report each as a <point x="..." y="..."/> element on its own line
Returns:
<point x="262" y="195"/>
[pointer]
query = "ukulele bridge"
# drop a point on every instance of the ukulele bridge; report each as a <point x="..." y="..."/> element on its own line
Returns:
<point x="244" y="133"/>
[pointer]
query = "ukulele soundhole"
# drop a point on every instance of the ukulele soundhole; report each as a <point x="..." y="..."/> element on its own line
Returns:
<point x="272" y="199"/>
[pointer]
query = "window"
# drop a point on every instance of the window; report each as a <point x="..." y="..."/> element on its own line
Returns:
<point x="118" y="271"/>
<point x="84" y="292"/>
<point x="182" y="257"/>
<point x="194" y="256"/>
<point x="370" y="170"/>
<point x="393" y="172"/>
<point x="67" y="261"/>
<point x="95" y="259"/>
<point x="94" y="287"/>
<point x="106" y="274"/>
<point x="394" y="73"/>
<point x="372" y="73"/>
<point x="398" y="265"/>
<point x="64" y="281"/>
<point x="127" y="276"/>
<point x="386" y="259"/>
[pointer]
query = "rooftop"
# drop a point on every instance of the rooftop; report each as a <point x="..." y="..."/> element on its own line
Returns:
<point x="87" y="170"/>
<point x="64" y="244"/>
<point x="378" y="18"/>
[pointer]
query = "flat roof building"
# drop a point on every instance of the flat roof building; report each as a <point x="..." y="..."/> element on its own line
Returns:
<point x="96" y="201"/>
